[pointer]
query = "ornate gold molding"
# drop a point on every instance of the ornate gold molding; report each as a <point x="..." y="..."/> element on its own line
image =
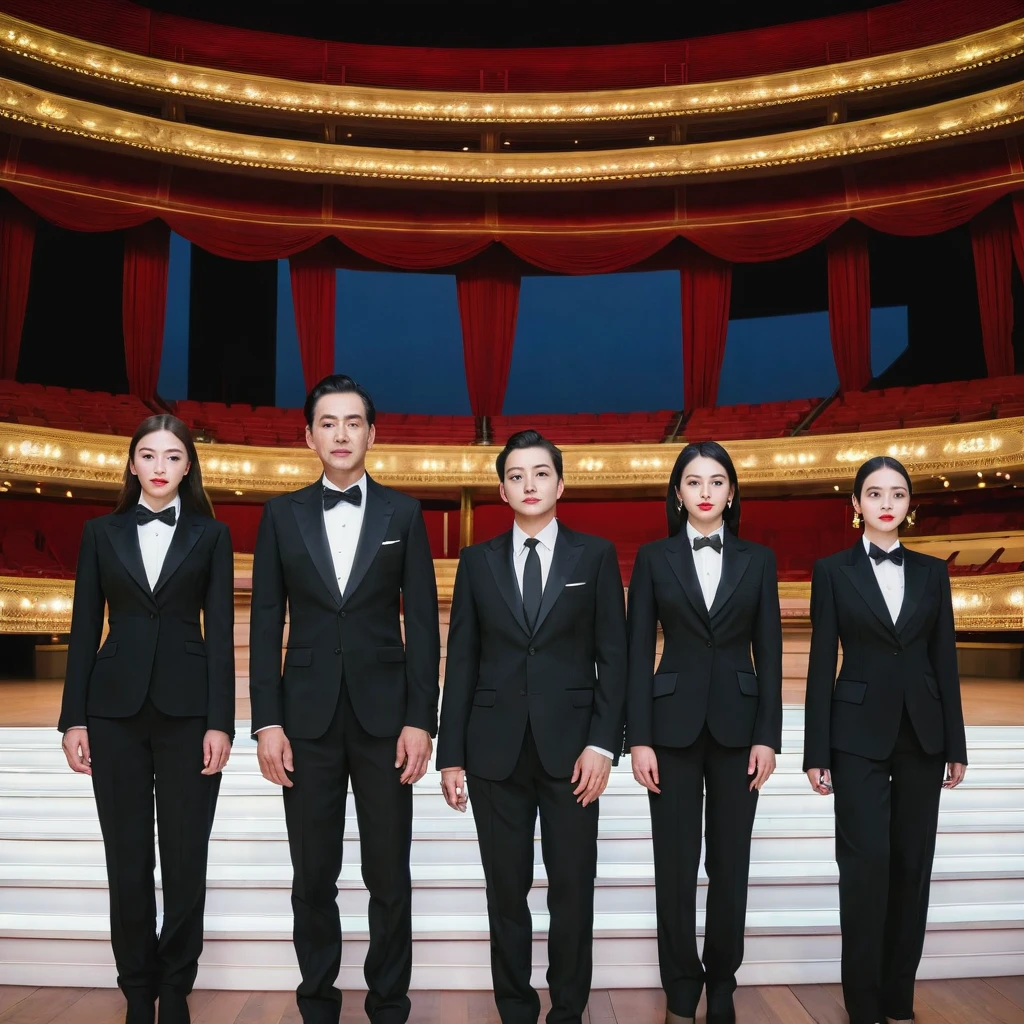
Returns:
<point x="42" y="455"/>
<point x="353" y="102"/>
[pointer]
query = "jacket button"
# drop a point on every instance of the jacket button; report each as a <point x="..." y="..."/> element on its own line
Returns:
<point x="532" y="651"/>
<point x="343" y="614"/>
<point x="895" y="654"/>
<point x="152" y="615"/>
<point x="709" y="643"/>
<point x="522" y="693"/>
<point x="337" y="650"/>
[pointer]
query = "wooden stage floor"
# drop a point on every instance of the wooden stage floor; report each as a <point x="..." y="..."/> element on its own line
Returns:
<point x="986" y="702"/>
<point x="967" y="1001"/>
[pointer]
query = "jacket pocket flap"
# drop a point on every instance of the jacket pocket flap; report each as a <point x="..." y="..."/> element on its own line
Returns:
<point x="748" y="683"/>
<point x="299" y="656"/>
<point x="582" y="698"/>
<point x="484" y="698"/>
<point x="850" y="690"/>
<point x="932" y="683"/>
<point x="108" y="650"/>
<point x="664" y="684"/>
<point x="391" y="654"/>
<point x="195" y="647"/>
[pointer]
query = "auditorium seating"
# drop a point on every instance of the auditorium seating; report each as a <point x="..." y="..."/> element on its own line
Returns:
<point x="24" y="552"/>
<point x="732" y="422"/>
<point x="71" y="408"/>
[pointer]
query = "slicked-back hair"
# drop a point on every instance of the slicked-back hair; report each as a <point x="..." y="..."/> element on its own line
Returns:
<point x="873" y="466"/>
<point x="707" y="450"/>
<point x="527" y="439"/>
<point x="337" y="384"/>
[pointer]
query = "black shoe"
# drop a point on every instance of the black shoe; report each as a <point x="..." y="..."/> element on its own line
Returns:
<point x="720" y="1009"/>
<point x="140" y="1011"/>
<point x="173" y="1008"/>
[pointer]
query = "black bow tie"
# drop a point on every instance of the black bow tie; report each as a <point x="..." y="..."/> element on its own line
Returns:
<point x="144" y="515"/>
<point x="714" y="542"/>
<point x="354" y="496"/>
<point x="895" y="556"/>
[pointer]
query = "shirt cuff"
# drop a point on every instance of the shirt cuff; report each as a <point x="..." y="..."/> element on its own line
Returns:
<point x="263" y="728"/>
<point x="602" y="751"/>
<point x="70" y="727"/>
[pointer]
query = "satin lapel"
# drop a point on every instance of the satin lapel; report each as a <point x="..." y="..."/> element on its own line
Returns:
<point x="915" y="576"/>
<point x="375" y="527"/>
<point x="499" y="558"/>
<point x="124" y="538"/>
<point x="186" y="533"/>
<point x="308" y="509"/>
<point x="566" y="554"/>
<point x="735" y="559"/>
<point x="680" y="557"/>
<point x="862" y="577"/>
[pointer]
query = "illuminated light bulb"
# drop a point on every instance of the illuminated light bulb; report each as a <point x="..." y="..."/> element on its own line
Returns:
<point x="239" y="493"/>
<point x="68" y="494"/>
<point x="39" y="490"/>
<point x="835" y="487"/>
<point x="945" y="483"/>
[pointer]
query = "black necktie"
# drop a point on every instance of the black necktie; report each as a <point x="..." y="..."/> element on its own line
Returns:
<point x="895" y="556"/>
<point x="354" y="496"/>
<point x="532" y="586"/>
<point x="714" y="542"/>
<point x="143" y="515"/>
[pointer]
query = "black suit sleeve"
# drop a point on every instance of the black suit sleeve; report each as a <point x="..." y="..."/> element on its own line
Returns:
<point x="610" y="656"/>
<point x="767" y="649"/>
<point x="821" y="671"/>
<point x="219" y="633"/>
<point x="462" y="668"/>
<point x="86" y="630"/>
<point x="266" y="626"/>
<point x="942" y="653"/>
<point x="642" y="623"/>
<point x="422" y="632"/>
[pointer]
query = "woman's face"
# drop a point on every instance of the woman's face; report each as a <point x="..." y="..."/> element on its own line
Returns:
<point x="884" y="502"/>
<point x="160" y="463"/>
<point x="705" y="493"/>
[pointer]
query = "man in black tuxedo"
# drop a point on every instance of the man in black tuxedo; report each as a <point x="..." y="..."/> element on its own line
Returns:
<point x="350" y="559"/>
<point x="532" y="714"/>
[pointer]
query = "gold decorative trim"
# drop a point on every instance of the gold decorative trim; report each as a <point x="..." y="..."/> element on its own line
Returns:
<point x="34" y="605"/>
<point x="40" y="455"/>
<point x="354" y="102"/>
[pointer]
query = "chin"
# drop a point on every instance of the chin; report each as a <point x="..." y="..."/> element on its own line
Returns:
<point x="534" y="510"/>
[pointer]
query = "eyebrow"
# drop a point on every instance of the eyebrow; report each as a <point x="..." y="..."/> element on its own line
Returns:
<point x="714" y="476"/>
<point x="540" y="465"/>
<point x="167" y="451"/>
<point x="347" y="416"/>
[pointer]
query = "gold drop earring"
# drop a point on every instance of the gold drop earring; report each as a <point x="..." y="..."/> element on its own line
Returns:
<point x="911" y="518"/>
<point x="857" y="521"/>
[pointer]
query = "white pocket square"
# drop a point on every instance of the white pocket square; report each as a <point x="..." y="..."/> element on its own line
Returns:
<point x="385" y="543"/>
<point x="583" y="584"/>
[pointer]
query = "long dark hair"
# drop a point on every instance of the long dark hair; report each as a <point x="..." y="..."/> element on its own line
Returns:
<point x="193" y="497"/>
<point x="707" y="450"/>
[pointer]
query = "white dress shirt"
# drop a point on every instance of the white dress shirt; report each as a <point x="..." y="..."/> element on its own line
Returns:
<point x="890" y="580"/>
<point x="155" y="539"/>
<point x="708" y="563"/>
<point x="545" y="551"/>
<point x="344" y="523"/>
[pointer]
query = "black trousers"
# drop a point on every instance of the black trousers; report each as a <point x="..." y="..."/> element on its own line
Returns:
<point x="130" y="758"/>
<point x="887" y="814"/>
<point x="506" y="815"/>
<point x="314" y="809"/>
<point x="685" y="774"/>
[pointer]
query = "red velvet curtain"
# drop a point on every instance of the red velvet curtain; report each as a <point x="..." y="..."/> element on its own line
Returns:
<point x="706" y="286"/>
<point x="313" y="296"/>
<point x="849" y="305"/>
<point x="147" y="253"/>
<point x="488" y="291"/>
<point x="17" y="236"/>
<point x="993" y="263"/>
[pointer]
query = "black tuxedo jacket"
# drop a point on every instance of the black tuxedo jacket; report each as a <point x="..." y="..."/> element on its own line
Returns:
<point x="706" y="674"/>
<point x="566" y="678"/>
<point x="885" y="665"/>
<point x="155" y="645"/>
<point x="357" y="634"/>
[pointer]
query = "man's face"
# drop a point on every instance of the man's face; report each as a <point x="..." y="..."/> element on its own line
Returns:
<point x="531" y="485"/>
<point x="340" y="434"/>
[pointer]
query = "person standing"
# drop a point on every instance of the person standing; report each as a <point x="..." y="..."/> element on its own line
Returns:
<point x="882" y="736"/>
<point x="350" y="561"/>
<point x="153" y="708"/>
<point x="708" y="720"/>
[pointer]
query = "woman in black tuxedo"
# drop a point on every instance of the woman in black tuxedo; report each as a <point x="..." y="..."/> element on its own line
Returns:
<point x="708" y="719"/>
<point x="881" y="736"/>
<point x="153" y="708"/>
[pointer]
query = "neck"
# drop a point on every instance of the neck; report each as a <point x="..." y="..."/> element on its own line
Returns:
<point x="159" y="502"/>
<point x="883" y="538"/>
<point x="345" y="478"/>
<point x="706" y="529"/>
<point x="532" y="525"/>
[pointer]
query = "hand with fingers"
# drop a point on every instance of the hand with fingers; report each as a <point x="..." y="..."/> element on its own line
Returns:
<point x="216" y="751"/>
<point x="760" y="766"/>
<point x="955" y="773"/>
<point x="76" y="749"/>
<point x="413" y="754"/>
<point x="274" y="754"/>
<point x="590" y="776"/>
<point x="820" y="780"/>
<point x="453" y="785"/>
<point x="645" y="767"/>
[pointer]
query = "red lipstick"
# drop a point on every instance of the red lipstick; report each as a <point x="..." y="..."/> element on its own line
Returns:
<point x="705" y="506"/>
<point x="887" y="518"/>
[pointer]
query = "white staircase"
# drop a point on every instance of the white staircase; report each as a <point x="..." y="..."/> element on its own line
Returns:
<point x="53" y="896"/>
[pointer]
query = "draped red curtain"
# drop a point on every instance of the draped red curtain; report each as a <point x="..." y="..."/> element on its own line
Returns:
<point x="849" y="305"/>
<point x="991" y="238"/>
<point x="147" y="253"/>
<point x="488" y="291"/>
<point x="706" y="286"/>
<point x="17" y="237"/>
<point x="313" y="296"/>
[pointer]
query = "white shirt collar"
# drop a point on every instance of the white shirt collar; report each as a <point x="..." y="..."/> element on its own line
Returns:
<point x="176" y="505"/>
<point x="547" y="536"/>
<point x="867" y="545"/>
<point x="692" y="534"/>
<point x="360" y="483"/>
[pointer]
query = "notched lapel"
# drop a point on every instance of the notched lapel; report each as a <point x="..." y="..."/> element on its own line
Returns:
<point x="735" y="560"/>
<point x="862" y="577"/>
<point x="376" y="519"/>
<point x="186" y="534"/>
<point x="680" y="558"/>
<point x="124" y="538"/>
<point x="499" y="559"/>
<point x="309" y="515"/>
<point x="563" y="561"/>
<point x="915" y="576"/>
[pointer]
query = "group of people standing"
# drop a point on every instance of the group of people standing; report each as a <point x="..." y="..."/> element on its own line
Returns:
<point x="546" y="673"/>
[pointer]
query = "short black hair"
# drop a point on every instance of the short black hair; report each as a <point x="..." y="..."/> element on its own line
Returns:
<point x="873" y="466"/>
<point x="527" y="439"/>
<point x="337" y="384"/>
<point x="708" y="450"/>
